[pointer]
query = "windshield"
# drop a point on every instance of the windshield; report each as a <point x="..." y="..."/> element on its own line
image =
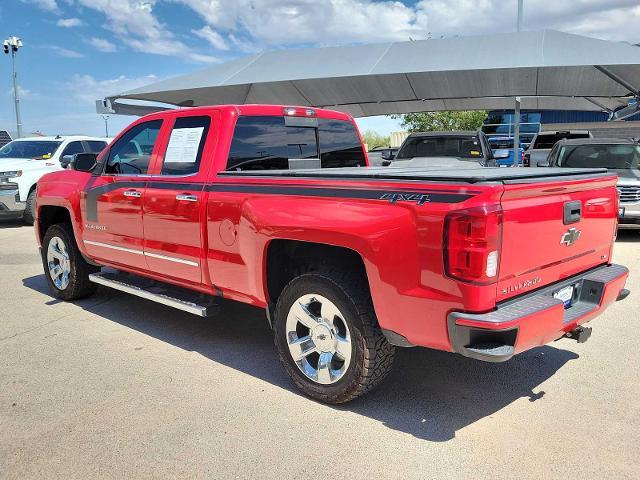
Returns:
<point x="497" y="143"/>
<point x="463" y="147"/>
<point x="37" y="149"/>
<point x="621" y="157"/>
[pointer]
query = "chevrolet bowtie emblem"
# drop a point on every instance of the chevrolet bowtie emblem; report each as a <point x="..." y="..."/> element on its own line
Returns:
<point x="570" y="237"/>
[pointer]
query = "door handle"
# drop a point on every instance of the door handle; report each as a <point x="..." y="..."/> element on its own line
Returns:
<point x="186" y="197"/>
<point x="132" y="193"/>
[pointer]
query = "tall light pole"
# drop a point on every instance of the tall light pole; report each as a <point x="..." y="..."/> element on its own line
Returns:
<point x="106" y="125"/>
<point x="12" y="44"/>
<point x="520" y="8"/>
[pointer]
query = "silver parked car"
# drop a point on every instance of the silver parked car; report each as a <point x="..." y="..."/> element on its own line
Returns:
<point x="618" y="155"/>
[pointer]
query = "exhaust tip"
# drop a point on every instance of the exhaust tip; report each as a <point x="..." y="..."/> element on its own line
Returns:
<point x="624" y="293"/>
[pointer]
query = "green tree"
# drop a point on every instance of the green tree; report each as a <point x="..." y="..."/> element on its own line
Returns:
<point x="374" y="139"/>
<point x="447" y="120"/>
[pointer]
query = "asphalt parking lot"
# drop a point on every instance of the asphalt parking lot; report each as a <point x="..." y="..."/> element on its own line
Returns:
<point x="117" y="387"/>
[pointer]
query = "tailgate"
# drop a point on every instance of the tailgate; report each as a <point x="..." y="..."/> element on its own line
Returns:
<point x="554" y="229"/>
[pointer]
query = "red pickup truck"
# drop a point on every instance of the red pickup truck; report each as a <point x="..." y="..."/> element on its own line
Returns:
<point x="276" y="207"/>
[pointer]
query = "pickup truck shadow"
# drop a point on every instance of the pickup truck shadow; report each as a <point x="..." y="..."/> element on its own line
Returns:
<point x="12" y="223"/>
<point x="628" y="236"/>
<point x="429" y="394"/>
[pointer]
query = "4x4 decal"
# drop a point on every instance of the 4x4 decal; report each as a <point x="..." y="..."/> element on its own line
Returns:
<point x="419" y="198"/>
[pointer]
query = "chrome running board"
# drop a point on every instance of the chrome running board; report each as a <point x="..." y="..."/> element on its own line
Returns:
<point x="169" y="295"/>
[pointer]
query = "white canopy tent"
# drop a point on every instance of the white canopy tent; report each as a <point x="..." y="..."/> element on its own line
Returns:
<point x="544" y="70"/>
<point x="548" y="69"/>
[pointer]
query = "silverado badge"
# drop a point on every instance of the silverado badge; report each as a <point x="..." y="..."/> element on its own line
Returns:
<point x="570" y="237"/>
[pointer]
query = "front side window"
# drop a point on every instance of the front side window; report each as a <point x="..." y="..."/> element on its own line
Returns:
<point x="267" y="143"/>
<point x="184" y="151"/>
<point x="36" y="149"/>
<point x="131" y="153"/>
<point x="72" y="148"/>
<point x="96" y="146"/>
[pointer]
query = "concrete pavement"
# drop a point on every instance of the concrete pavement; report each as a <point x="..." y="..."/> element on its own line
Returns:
<point x="117" y="387"/>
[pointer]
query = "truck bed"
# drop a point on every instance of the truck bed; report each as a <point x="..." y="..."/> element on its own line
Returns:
<point x="467" y="175"/>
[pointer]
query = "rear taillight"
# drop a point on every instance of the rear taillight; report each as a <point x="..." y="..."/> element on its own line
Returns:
<point x="472" y="244"/>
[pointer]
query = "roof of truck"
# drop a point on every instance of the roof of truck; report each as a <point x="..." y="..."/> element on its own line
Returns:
<point x="598" y="141"/>
<point x="252" y="110"/>
<point x="459" y="133"/>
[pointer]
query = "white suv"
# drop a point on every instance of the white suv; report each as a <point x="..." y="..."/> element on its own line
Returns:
<point x="24" y="161"/>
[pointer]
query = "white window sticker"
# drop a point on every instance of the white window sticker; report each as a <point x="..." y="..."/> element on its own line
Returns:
<point x="183" y="145"/>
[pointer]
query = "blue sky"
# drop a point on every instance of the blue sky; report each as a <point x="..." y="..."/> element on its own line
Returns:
<point x="76" y="51"/>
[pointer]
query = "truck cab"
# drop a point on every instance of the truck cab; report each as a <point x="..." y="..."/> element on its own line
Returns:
<point x="25" y="160"/>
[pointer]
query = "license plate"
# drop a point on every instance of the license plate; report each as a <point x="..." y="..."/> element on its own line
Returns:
<point x="565" y="295"/>
<point x="621" y="212"/>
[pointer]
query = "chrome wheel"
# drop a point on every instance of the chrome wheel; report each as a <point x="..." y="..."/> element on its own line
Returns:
<point x="58" y="263"/>
<point x="318" y="338"/>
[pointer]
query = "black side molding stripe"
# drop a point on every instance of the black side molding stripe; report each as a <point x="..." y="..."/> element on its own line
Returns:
<point x="419" y="197"/>
<point x="389" y="195"/>
<point x="189" y="187"/>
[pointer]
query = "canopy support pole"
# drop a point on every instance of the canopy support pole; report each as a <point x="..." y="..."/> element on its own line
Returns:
<point x="516" y="133"/>
<point x="598" y="104"/>
<point x="619" y="80"/>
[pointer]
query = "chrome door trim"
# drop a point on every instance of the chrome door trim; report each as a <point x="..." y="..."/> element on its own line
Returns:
<point x="113" y="247"/>
<point x="171" y="259"/>
<point x="140" y="252"/>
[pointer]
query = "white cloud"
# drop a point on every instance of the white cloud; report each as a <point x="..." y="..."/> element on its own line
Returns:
<point x="102" y="44"/>
<point x="87" y="89"/>
<point x="22" y="92"/>
<point x="258" y="24"/>
<point x="200" y="58"/>
<point x="136" y="26"/>
<point x="211" y="36"/>
<point x="48" y="5"/>
<point x="277" y="22"/>
<point x="69" y="22"/>
<point x="63" y="52"/>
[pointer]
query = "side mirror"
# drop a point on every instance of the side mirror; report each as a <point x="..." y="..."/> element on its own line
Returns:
<point x="543" y="163"/>
<point x="387" y="154"/>
<point x="84" y="162"/>
<point x="66" y="160"/>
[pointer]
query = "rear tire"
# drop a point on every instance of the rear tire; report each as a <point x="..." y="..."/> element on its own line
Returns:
<point x="326" y="319"/>
<point x="66" y="270"/>
<point x="28" y="216"/>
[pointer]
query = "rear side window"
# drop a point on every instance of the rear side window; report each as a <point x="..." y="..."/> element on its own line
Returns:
<point x="266" y="143"/>
<point x="340" y="145"/>
<point x="131" y="153"/>
<point x="184" y="150"/>
<point x="282" y="143"/>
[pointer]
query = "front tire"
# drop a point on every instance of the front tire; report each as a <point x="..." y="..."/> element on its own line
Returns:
<point x="327" y="336"/>
<point x="28" y="216"/>
<point x="66" y="270"/>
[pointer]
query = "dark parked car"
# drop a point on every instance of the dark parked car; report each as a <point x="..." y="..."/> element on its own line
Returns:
<point x="619" y="155"/>
<point x="543" y="142"/>
<point x="444" y="149"/>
